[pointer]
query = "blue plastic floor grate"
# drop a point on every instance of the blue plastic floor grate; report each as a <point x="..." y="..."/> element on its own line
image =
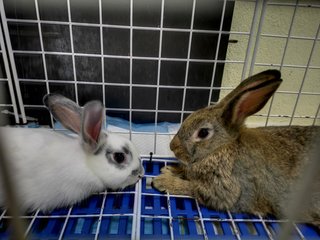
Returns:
<point x="141" y="212"/>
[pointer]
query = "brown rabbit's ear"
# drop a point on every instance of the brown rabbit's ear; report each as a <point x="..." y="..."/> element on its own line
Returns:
<point x="250" y="82"/>
<point x="250" y="97"/>
<point x="93" y="115"/>
<point x="64" y="110"/>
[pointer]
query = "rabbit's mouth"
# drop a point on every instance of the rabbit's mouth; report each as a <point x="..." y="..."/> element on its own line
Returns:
<point x="134" y="178"/>
<point x="181" y="155"/>
<point x="127" y="184"/>
<point x="131" y="185"/>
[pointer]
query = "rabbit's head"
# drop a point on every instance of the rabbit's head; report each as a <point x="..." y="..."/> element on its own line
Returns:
<point x="209" y="128"/>
<point x="112" y="158"/>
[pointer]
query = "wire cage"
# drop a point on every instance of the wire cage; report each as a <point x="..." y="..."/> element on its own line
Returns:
<point x="152" y="63"/>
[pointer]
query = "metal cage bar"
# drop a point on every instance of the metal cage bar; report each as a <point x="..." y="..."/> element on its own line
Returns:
<point x="217" y="50"/>
<point x="158" y="77"/>
<point x="12" y="62"/>
<point x="102" y="58"/>
<point x="256" y="46"/>
<point x="304" y="75"/>
<point x="188" y="60"/>
<point x="72" y="51"/>
<point x="283" y="56"/>
<point x="9" y="78"/>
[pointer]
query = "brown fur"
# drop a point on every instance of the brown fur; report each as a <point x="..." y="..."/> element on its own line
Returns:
<point x="243" y="169"/>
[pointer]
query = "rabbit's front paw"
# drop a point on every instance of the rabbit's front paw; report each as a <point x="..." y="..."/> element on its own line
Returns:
<point x="175" y="170"/>
<point x="168" y="183"/>
<point x="168" y="170"/>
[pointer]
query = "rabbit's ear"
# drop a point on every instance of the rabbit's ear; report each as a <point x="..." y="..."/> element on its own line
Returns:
<point x="250" y="82"/>
<point x="251" y="96"/>
<point x="64" y="110"/>
<point x="92" y="120"/>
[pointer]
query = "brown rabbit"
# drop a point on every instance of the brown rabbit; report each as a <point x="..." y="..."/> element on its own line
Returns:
<point x="227" y="166"/>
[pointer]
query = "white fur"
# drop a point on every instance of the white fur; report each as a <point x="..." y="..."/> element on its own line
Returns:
<point x="52" y="170"/>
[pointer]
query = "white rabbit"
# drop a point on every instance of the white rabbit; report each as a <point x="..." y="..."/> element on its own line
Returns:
<point x="51" y="170"/>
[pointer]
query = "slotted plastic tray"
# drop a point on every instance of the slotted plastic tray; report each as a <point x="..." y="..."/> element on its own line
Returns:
<point x="141" y="212"/>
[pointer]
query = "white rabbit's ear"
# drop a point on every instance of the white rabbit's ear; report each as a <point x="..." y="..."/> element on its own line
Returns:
<point x="251" y="96"/>
<point x="64" y="110"/>
<point x="92" y="120"/>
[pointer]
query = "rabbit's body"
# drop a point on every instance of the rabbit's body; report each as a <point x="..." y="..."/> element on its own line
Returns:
<point x="259" y="178"/>
<point x="272" y="160"/>
<point x="227" y="166"/>
<point x="30" y="171"/>
<point x="239" y="179"/>
<point x="50" y="169"/>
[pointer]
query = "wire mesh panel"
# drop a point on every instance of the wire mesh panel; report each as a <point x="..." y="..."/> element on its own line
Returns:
<point x="132" y="58"/>
<point x="292" y="48"/>
<point x="148" y="62"/>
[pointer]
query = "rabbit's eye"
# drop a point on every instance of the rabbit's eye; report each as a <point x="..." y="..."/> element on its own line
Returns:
<point x="203" y="133"/>
<point x="119" y="157"/>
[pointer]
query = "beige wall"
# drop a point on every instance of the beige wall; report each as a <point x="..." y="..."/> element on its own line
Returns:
<point x="271" y="49"/>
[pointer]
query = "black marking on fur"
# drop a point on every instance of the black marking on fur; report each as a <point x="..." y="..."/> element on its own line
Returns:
<point x="136" y="172"/>
<point x="99" y="150"/>
<point x="126" y="149"/>
<point x="109" y="155"/>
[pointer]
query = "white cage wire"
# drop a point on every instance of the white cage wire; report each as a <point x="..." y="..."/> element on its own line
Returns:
<point x="280" y="34"/>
